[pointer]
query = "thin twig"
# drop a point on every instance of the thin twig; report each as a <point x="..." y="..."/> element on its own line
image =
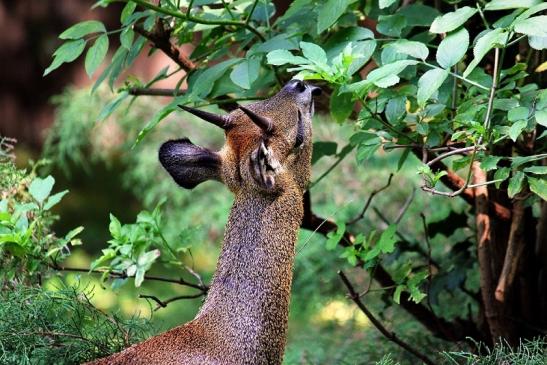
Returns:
<point x="405" y="206"/>
<point x="341" y="157"/>
<point x="391" y="336"/>
<point x="251" y="12"/>
<point x="138" y="91"/>
<point x="369" y="200"/>
<point x="457" y="76"/>
<point x="411" y="246"/>
<point x="122" y="275"/>
<point x="163" y="303"/>
<point x="454" y="152"/>
<point x="160" y="37"/>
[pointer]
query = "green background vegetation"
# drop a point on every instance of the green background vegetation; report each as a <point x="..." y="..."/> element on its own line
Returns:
<point x="430" y="87"/>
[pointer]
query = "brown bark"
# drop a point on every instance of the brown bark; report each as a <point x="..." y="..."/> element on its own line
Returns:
<point x="161" y="39"/>
<point x="513" y="254"/>
<point x="485" y="256"/>
<point x="541" y="257"/>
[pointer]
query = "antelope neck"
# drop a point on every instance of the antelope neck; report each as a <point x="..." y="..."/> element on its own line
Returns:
<point x="250" y="292"/>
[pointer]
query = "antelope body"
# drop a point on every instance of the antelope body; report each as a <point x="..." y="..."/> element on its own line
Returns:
<point x="265" y="162"/>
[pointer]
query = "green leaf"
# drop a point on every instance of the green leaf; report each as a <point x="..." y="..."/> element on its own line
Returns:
<point x="146" y="259"/>
<point x="41" y="188"/>
<point x="538" y="186"/>
<point x="95" y="54"/>
<point x="127" y="11"/>
<point x="416" y="294"/>
<point x="367" y="144"/>
<point x="82" y="29"/>
<point x="334" y="237"/>
<point x="516" y="129"/>
<point x="541" y="117"/>
<point x="491" y="39"/>
<point x="158" y="117"/>
<point x="314" y="53"/>
<point x="115" y="227"/>
<point x="73" y="233"/>
<point x="452" y="48"/>
<point x="395" y="109"/>
<point x="418" y="14"/>
<point x="245" y="73"/>
<point x="520" y="160"/>
<point x="139" y="277"/>
<point x="126" y="38"/>
<point x="453" y="20"/>
<point x="389" y="71"/>
<point x="501" y="174"/>
<point x="280" y="41"/>
<point x="538" y="170"/>
<point x="535" y="26"/>
<point x="391" y="25"/>
<point x="341" y="106"/>
<point x="68" y="52"/>
<point x="387" y="240"/>
<point x="510" y="4"/>
<point x="490" y="162"/>
<point x="386" y="3"/>
<point x="517" y="113"/>
<point x="321" y="149"/>
<point x="429" y="83"/>
<point x="538" y="43"/>
<point x="329" y="12"/>
<point x="203" y="84"/>
<point x="54" y="199"/>
<point x="515" y="184"/>
<point x="534" y="9"/>
<point x="282" y="56"/>
<point x="411" y="48"/>
<point x="397" y="293"/>
<point x="113" y="105"/>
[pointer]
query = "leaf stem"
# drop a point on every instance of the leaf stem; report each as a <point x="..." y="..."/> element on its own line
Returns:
<point x="457" y="76"/>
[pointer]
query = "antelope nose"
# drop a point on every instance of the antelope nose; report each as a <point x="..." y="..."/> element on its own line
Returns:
<point x="315" y="91"/>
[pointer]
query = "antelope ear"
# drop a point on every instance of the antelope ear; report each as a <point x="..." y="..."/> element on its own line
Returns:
<point x="188" y="164"/>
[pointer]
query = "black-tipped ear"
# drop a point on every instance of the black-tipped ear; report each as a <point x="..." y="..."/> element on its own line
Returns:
<point x="188" y="164"/>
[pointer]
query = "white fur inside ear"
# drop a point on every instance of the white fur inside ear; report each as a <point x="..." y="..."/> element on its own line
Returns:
<point x="264" y="166"/>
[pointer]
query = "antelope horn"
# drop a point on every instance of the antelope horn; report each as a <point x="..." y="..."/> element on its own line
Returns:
<point x="218" y="120"/>
<point x="264" y="123"/>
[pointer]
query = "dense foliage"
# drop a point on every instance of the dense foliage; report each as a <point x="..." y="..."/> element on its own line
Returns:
<point x="450" y="91"/>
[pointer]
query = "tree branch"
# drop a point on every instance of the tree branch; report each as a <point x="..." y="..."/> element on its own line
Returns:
<point x="121" y="275"/>
<point x="369" y="200"/>
<point x="484" y="254"/>
<point x="513" y="254"/>
<point x="161" y="39"/>
<point x="163" y="303"/>
<point x="138" y="91"/>
<point x="387" y="334"/>
<point x="452" y="331"/>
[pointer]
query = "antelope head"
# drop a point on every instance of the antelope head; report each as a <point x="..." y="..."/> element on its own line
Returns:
<point x="267" y="149"/>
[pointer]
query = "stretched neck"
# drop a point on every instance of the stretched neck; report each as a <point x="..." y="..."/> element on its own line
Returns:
<point x="250" y="293"/>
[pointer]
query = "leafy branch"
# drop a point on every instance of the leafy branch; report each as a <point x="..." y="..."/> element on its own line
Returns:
<point x="187" y="16"/>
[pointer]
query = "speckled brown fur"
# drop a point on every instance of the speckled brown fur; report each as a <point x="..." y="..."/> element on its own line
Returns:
<point x="244" y="317"/>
